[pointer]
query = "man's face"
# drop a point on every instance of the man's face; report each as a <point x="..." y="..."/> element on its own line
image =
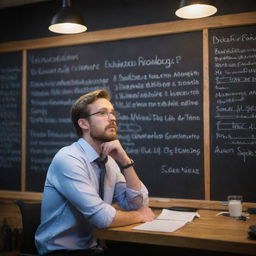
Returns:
<point x="102" y="125"/>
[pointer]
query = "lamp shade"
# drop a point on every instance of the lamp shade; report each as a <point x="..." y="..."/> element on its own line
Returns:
<point x="192" y="9"/>
<point x="67" y="21"/>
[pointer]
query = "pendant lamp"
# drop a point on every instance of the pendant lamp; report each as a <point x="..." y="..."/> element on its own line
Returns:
<point x="67" y="21"/>
<point x="193" y="9"/>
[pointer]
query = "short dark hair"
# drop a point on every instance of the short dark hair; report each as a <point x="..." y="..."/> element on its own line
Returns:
<point x="80" y="109"/>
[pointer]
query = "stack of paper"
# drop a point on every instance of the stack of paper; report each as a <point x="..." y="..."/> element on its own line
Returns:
<point x="168" y="221"/>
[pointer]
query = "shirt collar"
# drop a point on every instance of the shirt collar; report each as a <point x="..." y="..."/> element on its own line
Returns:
<point x="88" y="149"/>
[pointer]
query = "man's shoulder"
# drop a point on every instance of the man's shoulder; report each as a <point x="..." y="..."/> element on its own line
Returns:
<point x="71" y="150"/>
<point x="67" y="156"/>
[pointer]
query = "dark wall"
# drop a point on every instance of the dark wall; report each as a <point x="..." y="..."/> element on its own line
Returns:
<point x="32" y="21"/>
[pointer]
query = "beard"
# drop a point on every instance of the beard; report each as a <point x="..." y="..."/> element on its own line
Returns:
<point x="104" y="136"/>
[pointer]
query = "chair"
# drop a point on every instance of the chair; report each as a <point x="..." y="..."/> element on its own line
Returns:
<point x="30" y="213"/>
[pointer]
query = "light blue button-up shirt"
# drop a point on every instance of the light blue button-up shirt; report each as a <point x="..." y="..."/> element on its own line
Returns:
<point x="71" y="203"/>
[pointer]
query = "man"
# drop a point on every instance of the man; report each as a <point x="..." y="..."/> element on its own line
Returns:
<point x="72" y="200"/>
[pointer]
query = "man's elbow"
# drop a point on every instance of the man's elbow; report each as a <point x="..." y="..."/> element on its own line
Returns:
<point x="103" y="220"/>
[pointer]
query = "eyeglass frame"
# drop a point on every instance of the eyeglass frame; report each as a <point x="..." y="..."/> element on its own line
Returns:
<point x="104" y="113"/>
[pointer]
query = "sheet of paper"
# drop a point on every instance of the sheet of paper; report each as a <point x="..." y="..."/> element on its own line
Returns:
<point x="161" y="225"/>
<point x="177" y="215"/>
<point x="168" y="221"/>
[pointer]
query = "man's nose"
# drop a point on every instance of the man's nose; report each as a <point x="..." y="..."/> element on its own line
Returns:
<point x="111" y="116"/>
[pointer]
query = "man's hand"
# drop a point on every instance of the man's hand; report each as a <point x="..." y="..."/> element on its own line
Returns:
<point x="115" y="150"/>
<point x="146" y="214"/>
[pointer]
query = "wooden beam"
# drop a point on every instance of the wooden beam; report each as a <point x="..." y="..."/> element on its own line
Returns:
<point x="206" y="114"/>
<point x="163" y="28"/>
<point x="24" y="120"/>
<point x="13" y="195"/>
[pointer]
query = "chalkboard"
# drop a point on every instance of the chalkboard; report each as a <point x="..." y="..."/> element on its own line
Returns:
<point x="233" y="112"/>
<point x="10" y="121"/>
<point x="156" y="86"/>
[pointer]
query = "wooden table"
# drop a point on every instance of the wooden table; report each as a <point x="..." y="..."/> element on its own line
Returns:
<point x="209" y="232"/>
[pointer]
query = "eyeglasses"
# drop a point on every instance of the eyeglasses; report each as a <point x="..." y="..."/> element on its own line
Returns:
<point x="104" y="113"/>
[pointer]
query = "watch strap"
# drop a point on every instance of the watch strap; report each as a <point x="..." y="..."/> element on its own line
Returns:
<point x="123" y="167"/>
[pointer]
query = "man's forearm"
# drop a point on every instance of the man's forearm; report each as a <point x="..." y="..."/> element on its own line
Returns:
<point x="132" y="179"/>
<point x="123" y="218"/>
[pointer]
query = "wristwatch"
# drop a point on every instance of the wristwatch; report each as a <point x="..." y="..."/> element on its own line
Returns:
<point x="128" y="165"/>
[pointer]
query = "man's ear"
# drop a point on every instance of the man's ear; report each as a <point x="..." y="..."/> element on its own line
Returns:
<point x="83" y="123"/>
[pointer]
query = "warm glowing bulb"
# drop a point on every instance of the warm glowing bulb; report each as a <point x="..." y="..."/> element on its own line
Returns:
<point x="196" y="11"/>
<point x="67" y="28"/>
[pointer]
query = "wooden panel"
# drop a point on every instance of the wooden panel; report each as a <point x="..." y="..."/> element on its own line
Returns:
<point x="133" y="32"/>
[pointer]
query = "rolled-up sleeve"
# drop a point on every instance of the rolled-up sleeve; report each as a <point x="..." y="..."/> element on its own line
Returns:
<point x="130" y="199"/>
<point x="104" y="217"/>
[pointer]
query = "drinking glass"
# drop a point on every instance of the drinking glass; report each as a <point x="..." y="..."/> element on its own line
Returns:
<point x="235" y="205"/>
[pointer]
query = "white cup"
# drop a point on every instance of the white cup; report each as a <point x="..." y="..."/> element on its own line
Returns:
<point x="235" y="206"/>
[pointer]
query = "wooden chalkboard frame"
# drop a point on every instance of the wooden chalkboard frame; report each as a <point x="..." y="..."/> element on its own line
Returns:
<point x="164" y="28"/>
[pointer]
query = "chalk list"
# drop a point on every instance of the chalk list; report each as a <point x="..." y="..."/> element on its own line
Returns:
<point x="10" y="121"/>
<point x="233" y="112"/>
<point x="155" y="85"/>
<point x="56" y="78"/>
